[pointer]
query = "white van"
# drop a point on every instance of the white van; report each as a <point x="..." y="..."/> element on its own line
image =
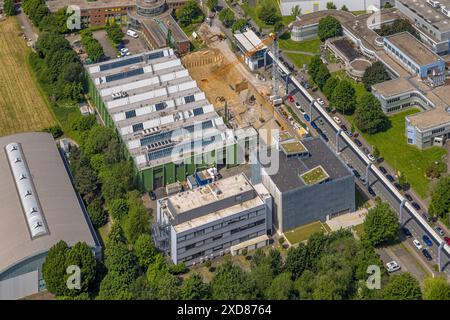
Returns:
<point x="132" y="33"/>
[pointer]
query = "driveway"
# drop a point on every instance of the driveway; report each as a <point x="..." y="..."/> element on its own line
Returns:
<point x="27" y="27"/>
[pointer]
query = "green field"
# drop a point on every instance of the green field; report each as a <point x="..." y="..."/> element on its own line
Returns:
<point x="22" y="105"/>
<point x="304" y="232"/>
<point x="299" y="59"/>
<point x="253" y="14"/>
<point x="311" y="46"/>
<point x="405" y="158"/>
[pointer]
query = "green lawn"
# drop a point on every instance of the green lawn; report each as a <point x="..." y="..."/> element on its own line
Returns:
<point x="304" y="232"/>
<point x="299" y="59"/>
<point x="358" y="86"/>
<point x="405" y="158"/>
<point x="359" y="229"/>
<point x="251" y="11"/>
<point x="286" y="43"/>
<point x="357" y="13"/>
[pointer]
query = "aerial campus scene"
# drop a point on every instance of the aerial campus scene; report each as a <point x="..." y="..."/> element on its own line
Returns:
<point x="225" y="150"/>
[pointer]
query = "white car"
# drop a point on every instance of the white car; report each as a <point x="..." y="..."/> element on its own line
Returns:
<point x="392" y="266"/>
<point x="320" y="101"/>
<point x="417" y="244"/>
<point x="124" y="50"/>
<point x="337" y="120"/>
<point x="371" y="157"/>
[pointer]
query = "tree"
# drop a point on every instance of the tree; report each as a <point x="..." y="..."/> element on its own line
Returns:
<point x="388" y="5"/>
<point x="343" y="97"/>
<point x="322" y="76"/>
<point x="227" y="17"/>
<point x="281" y="288"/>
<point x="329" y="86"/>
<point x="118" y="258"/>
<point x="137" y="221"/>
<point x="83" y="124"/>
<point x="268" y="12"/>
<point x="92" y="46"/>
<point x="262" y="275"/>
<point x="314" y="65"/>
<point x="381" y="225"/>
<point x="98" y="140"/>
<point x="211" y="4"/>
<point x="436" y="289"/>
<point x="376" y="152"/>
<point x="114" y="32"/>
<point x="399" y="25"/>
<point x="296" y="11"/>
<point x="54" y="268"/>
<point x="297" y="260"/>
<point x="118" y="209"/>
<point x="114" y="286"/>
<point x="329" y="27"/>
<point x="374" y="74"/>
<point x="145" y="250"/>
<point x="117" y="181"/>
<point x="193" y="288"/>
<point x="434" y="170"/>
<point x="239" y="25"/>
<point x="81" y="255"/>
<point x="231" y="283"/>
<point x="9" y="8"/>
<point x="402" y="287"/>
<point x="344" y="8"/>
<point x="86" y="182"/>
<point x="369" y="117"/>
<point x="331" y="5"/>
<point x="440" y="198"/>
<point x="305" y="285"/>
<point x="189" y="13"/>
<point x="97" y="213"/>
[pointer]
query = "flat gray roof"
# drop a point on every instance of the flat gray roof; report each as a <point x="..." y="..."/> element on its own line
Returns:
<point x="413" y="48"/>
<point x="61" y="208"/>
<point x="434" y="15"/>
<point x="287" y="178"/>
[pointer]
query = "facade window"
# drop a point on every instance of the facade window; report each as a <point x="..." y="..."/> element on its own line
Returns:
<point x="438" y="130"/>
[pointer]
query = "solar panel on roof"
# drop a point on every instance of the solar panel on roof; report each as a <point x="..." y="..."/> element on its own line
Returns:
<point x="121" y="63"/>
<point x="155" y="55"/>
<point x="130" y="114"/>
<point x="198" y="111"/>
<point x="138" y="127"/>
<point x="190" y="98"/>
<point x="123" y="75"/>
<point x="160" y="106"/>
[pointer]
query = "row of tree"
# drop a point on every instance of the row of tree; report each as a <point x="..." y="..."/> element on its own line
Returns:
<point x="92" y="46"/>
<point x="440" y="200"/>
<point x="114" y="33"/>
<point x="399" y="25"/>
<point x="190" y="13"/>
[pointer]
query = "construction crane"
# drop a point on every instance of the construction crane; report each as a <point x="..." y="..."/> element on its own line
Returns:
<point x="274" y="68"/>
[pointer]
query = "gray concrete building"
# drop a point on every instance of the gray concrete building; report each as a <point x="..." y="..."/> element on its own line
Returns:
<point x="311" y="184"/>
<point x="39" y="207"/>
<point x="225" y="216"/>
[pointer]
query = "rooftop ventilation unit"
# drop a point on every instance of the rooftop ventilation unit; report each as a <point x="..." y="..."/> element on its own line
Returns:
<point x="445" y="11"/>
<point x="434" y="4"/>
<point x="25" y="189"/>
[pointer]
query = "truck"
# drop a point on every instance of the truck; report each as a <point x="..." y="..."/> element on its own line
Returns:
<point x="132" y="33"/>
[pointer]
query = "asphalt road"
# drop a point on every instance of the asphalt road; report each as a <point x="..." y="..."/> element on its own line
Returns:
<point x="349" y="156"/>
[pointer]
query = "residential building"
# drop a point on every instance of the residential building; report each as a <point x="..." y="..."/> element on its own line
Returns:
<point x="39" y="208"/>
<point x="225" y="216"/>
<point x="311" y="183"/>
<point x="252" y="49"/>
<point x="168" y="126"/>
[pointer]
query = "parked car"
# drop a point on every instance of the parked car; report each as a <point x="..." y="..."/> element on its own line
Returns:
<point x="320" y="101"/>
<point x="314" y="125"/>
<point x="337" y="120"/>
<point x="426" y="216"/>
<point x="363" y="181"/>
<point x="152" y="195"/>
<point x="350" y="165"/>
<point x="297" y="105"/>
<point x="307" y="118"/>
<point x="324" y="136"/>
<point x="358" y="143"/>
<point x="356" y="173"/>
<point x="371" y="191"/>
<point x="447" y="239"/>
<point x="392" y="266"/>
<point x="397" y="186"/>
<point x="383" y="170"/>
<point x="291" y="99"/>
<point x="349" y="133"/>
<point x="365" y="150"/>
<point x="406" y="232"/>
<point x="427" y="240"/>
<point x="343" y="127"/>
<point x="408" y="197"/>
<point x="440" y="231"/>
<point x="319" y="131"/>
<point x="371" y="157"/>
<point x="390" y="178"/>
<point x="415" y="205"/>
<point x="417" y="244"/>
<point x="427" y="254"/>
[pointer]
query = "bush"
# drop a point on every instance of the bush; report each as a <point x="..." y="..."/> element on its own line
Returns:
<point x="179" y="268"/>
<point x="55" y="131"/>
<point x="97" y="213"/>
<point x="281" y="240"/>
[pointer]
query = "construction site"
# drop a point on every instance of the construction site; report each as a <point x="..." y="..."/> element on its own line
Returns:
<point x="238" y="95"/>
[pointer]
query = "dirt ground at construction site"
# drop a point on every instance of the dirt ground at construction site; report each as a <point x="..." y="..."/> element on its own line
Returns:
<point x="230" y="86"/>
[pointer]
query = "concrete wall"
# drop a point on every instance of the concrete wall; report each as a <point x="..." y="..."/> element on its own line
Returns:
<point x="308" y="204"/>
